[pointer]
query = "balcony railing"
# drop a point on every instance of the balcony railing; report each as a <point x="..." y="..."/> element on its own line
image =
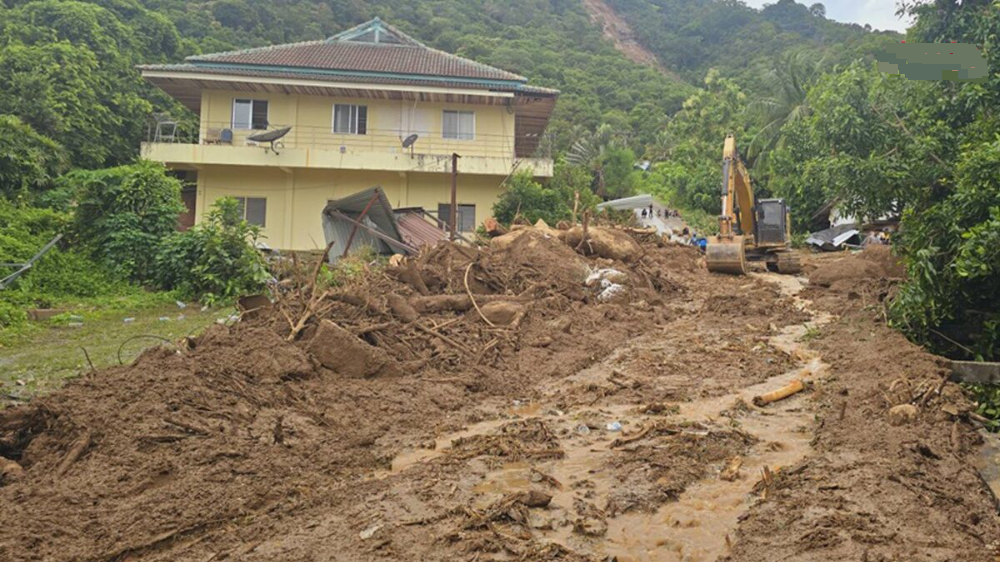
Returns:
<point x="388" y="141"/>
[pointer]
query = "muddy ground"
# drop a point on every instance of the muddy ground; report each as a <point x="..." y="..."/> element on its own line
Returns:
<point x="549" y="417"/>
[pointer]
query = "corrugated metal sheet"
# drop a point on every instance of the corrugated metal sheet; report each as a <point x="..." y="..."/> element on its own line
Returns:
<point x="380" y="217"/>
<point x="416" y="230"/>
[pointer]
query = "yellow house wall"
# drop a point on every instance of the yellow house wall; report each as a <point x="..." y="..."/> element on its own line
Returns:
<point x="311" y="119"/>
<point x="296" y="198"/>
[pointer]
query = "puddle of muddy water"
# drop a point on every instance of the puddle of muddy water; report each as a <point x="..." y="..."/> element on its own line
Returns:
<point x="698" y="525"/>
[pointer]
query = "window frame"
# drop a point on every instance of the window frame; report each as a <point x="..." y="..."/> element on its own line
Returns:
<point x="243" y="201"/>
<point x="354" y="120"/>
<point x="458" y="132"/>
<point x="252" y="102"/>
<point x="467" y="206"/>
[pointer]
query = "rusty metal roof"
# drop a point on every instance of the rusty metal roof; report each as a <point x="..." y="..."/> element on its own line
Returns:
<point x="416" y="230"/>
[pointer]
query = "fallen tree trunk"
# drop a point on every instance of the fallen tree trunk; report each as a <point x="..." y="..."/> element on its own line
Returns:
<point x="456" y="303"/>
<point x="791" y="388"/>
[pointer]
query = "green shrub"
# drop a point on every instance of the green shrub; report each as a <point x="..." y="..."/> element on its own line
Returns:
<point x="214" y="261"/>
<point x="551" y="203"/>
<point x="64" y="272"/>
<point x="952" y="251"/>
<point x="124" y="214"/>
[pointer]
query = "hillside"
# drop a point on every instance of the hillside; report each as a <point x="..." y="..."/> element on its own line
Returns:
<point x="626" y="63"/>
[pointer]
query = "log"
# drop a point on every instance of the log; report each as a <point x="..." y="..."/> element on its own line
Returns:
<point x="791" y="388"/>
<point x="81" y="445"/>
<point x="458" y="303"/>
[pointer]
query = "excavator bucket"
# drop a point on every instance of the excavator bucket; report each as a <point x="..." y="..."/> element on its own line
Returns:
<point x="726" y="256"/>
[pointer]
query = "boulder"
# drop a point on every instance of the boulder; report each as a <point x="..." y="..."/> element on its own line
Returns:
<point x="344" y="353"/>
<point x="502" y="313"/>
<point x="607" y="243"/>
<point x="9" y="471"/>
<point x="902" y="414"/>
<point x="402" y="309"/>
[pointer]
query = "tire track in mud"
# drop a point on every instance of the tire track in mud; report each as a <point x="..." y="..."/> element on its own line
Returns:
<point x="693" y="521"/>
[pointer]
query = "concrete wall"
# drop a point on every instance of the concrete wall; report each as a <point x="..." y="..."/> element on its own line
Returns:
<point x="311" y="119"/>
<point x="296" y="197"/>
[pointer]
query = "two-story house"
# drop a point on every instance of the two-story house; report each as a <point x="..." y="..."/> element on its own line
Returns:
<point x="368" y="107"/>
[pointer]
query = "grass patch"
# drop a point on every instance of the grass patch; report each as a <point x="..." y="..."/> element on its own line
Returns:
<point x="40" y="357"/>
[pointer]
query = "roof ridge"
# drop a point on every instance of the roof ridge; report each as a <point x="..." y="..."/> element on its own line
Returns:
<point x="212" y="56"/>
<point x="407" y="39"/>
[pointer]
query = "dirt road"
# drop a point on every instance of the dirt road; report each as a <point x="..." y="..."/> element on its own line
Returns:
<point x="581" y="427"/>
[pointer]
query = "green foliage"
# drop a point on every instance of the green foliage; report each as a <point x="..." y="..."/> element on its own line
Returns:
<point x="214" y="261"/>
<point x="29" y="162"/>
<point x="953" y="259"/>
<point x="64" y="272"/>
<point x="987" y="398"/>
<point x="551" y="203"/>
<point x="692" y="144"/>
<point x="692" y="36"/>
<point x="124" y="214"/>
<point x="69" y="72"/>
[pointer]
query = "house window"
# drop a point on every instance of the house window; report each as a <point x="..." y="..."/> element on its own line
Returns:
<point x="458" y="125"/>
<point x="350" y="119"/>
<point x="466" y="216"/>
<point x="253" y="209"/>
<point x="249" y="114"/>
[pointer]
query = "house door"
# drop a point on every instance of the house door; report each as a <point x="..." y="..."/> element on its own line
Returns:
<point x="189" y="196"/>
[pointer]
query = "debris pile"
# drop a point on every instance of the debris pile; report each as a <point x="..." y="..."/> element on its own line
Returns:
<point x="315" y="385"/>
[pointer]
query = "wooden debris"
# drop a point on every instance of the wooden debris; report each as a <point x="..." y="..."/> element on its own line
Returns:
<point x="732" y="470"/>
<point x="790" y="389"/>
<point x="81" y="445"/>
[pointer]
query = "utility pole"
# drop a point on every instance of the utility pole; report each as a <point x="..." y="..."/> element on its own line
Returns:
<point x="454" y="197"/>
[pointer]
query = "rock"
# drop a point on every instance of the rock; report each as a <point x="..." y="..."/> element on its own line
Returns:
<point x="9" y="471"/>
<point x="902" y="414"/>
<point x="369" y="532"/>
<point x="502" y="313"/>
<point x="544" y="227"/>
<point x="504" y="241"/>
<point x="561" y="324"/>
<point x="533" y="498"/>
<point x="344" y="353"/>
<point x="402" y="309"/>
<point x="607" y="243"/>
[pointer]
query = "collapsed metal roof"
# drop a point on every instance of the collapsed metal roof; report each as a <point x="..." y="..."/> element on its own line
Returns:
<point x="380" y="228"/>
<point x="833" y="238"/>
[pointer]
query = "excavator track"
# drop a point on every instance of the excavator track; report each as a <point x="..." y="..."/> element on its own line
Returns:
<point x="787" y="263"/>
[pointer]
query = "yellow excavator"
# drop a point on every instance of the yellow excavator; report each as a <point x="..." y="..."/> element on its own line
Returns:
<point x="749" y="229"/>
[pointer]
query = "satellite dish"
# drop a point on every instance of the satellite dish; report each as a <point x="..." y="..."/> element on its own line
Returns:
<point x="408" y="141"/>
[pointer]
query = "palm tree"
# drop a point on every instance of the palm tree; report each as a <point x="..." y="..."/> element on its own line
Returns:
<point x="588" y="152"/>
<point x="789" y="84"/>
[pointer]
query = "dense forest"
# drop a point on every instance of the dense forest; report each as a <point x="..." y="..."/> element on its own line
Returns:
<point x="818" y="123"/>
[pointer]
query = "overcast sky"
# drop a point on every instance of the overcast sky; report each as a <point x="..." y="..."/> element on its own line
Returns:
<point x="881" y="14"/>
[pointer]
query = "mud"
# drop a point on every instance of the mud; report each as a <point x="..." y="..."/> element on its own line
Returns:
<point x="578" y="429"/>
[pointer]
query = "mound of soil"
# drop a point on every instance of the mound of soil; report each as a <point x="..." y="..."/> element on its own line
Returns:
<point x="322" y="387"/>
<point x="874" y="263"/>
<point x="846" y="269"/>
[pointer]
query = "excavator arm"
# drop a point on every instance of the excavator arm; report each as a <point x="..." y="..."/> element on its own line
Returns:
<point x="737" y="195"/>
<point x="725" y="252"/>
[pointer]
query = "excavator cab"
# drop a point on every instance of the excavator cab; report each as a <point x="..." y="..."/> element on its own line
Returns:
<point x="749" y="229"/>
<point x="772" y="223"/>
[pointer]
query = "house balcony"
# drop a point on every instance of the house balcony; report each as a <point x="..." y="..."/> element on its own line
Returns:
<point x="311" y="147"/>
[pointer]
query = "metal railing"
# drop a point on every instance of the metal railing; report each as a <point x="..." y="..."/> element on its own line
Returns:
<point x="386" y="141"/>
